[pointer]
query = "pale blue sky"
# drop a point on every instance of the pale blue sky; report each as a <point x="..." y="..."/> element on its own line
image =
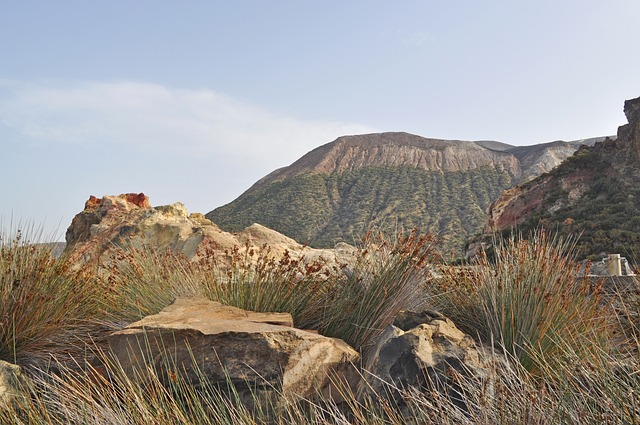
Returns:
<point x="193" y="101"/>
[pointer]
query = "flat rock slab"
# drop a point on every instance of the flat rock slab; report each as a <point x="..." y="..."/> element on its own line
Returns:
<point x="210" y="317"/>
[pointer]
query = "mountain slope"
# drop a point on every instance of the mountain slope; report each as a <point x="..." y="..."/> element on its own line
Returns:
<point x="391" y="180"/>
<point x="323" y="209"/>
<point x="595" y="193"/>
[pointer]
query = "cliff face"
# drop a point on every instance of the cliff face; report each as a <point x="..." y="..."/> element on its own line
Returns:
<point x="539" y="159"/>
<point x="631" y="131"/>
<point x="594" y="193"/>
<point x="349" y="153"/>
<point x="389" y="180"/>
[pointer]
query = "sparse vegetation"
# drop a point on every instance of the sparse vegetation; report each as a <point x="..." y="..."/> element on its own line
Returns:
<point x="555" y="360"/>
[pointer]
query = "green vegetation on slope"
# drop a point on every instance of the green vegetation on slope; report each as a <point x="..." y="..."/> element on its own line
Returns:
<point x="606" y="216"/>
<point x="322" y="209"/>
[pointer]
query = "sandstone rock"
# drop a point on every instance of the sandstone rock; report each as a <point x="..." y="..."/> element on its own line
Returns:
<point x="129" y="220"/>
<point x="432" y="355"/>
<point x="256" y="352"/>
<point x="187" y="313"/>
<point x="11" y="383"/>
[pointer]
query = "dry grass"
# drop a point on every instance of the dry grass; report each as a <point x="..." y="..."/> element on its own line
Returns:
<point x="555" y="364"/>
<point x="45" y="309"/>
<point x="528" y="298"/>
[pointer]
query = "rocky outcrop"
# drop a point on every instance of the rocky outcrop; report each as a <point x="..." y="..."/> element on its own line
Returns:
<point x="573" y="178"/>
<point x="631" y="131"/>
<point x="129" y="220"/>
<point x="594" y="193"/>
<point x="425" y="350"/>
<point x="257" y="352"/>
<point x="513" y="207"/>
<point x="540" y="159"/>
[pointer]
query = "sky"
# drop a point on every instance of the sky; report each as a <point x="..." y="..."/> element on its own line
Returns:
<point x="194" y="101"/>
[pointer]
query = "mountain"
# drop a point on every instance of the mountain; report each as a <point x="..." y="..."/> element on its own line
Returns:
<point x="595" y="193"/>
<point x="389" y="180"/>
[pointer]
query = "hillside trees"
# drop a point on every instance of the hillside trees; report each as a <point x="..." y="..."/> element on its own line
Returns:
<point x="323" y="209"/>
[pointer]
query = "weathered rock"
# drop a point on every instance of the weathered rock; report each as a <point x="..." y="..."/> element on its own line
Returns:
<point x="512" y="208"/>
<point x="536" y="160"/>
<point x="254" y="351"/>
<point x="129" y="220"/>
<point x="433" y="355"/>
<point x="407" y="320"/>
<point x="621" y="154"/>
<point x="11" y="383"/>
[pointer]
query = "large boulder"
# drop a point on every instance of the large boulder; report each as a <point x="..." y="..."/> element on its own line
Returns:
<point x="256" y="352"/>
<point x="424" y="351"/>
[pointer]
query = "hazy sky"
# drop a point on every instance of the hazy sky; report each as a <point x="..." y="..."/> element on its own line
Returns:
<point x="194" y="101"/>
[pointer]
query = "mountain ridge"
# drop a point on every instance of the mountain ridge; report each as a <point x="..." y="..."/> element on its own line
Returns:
<point x="386" y="149"/>
<point x="390" y="180"/>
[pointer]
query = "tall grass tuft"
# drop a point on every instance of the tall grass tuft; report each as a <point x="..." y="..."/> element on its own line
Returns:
<point x="548" y="324"/>
<point x="142" y="281"/>
<point x="528" y="297"/>
<point x="387" y="276"/>
<point x="587" y="394"/>
<point x="45" y="308"/>
<point x="258" y="281"/>
<point x="353" y="301"/>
